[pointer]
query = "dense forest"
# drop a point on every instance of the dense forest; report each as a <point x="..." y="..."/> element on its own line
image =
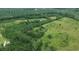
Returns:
<point x="39" y="29"/>
<point x="10" y="13"/>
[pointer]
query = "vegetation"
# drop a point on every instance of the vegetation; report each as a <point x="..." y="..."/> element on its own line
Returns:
<point x="41" y="29"/>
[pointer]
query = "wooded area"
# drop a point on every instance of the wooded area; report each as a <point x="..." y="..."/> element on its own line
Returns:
<point x="39" y="29"/>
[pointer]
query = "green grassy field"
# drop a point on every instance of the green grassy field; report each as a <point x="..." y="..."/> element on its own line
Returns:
<point x="62" y="34"/>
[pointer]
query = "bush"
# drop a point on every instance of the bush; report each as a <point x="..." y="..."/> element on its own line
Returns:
<point x="49" y="36"/>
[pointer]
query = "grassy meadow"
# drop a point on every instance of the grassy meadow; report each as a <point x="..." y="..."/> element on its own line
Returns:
<point x="59" y="35"/>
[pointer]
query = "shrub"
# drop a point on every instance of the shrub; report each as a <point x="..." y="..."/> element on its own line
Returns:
<point x="49" y="36"/>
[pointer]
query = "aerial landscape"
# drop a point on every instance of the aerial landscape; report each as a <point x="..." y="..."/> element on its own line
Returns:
<point x="39" y="29"/>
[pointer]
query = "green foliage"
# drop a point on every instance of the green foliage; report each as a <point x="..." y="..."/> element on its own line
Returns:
<point x="39" y="34"/>
<point x="29" y="13"/>
<point x="35" y="37"/>
<point x="49" y="36"/>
